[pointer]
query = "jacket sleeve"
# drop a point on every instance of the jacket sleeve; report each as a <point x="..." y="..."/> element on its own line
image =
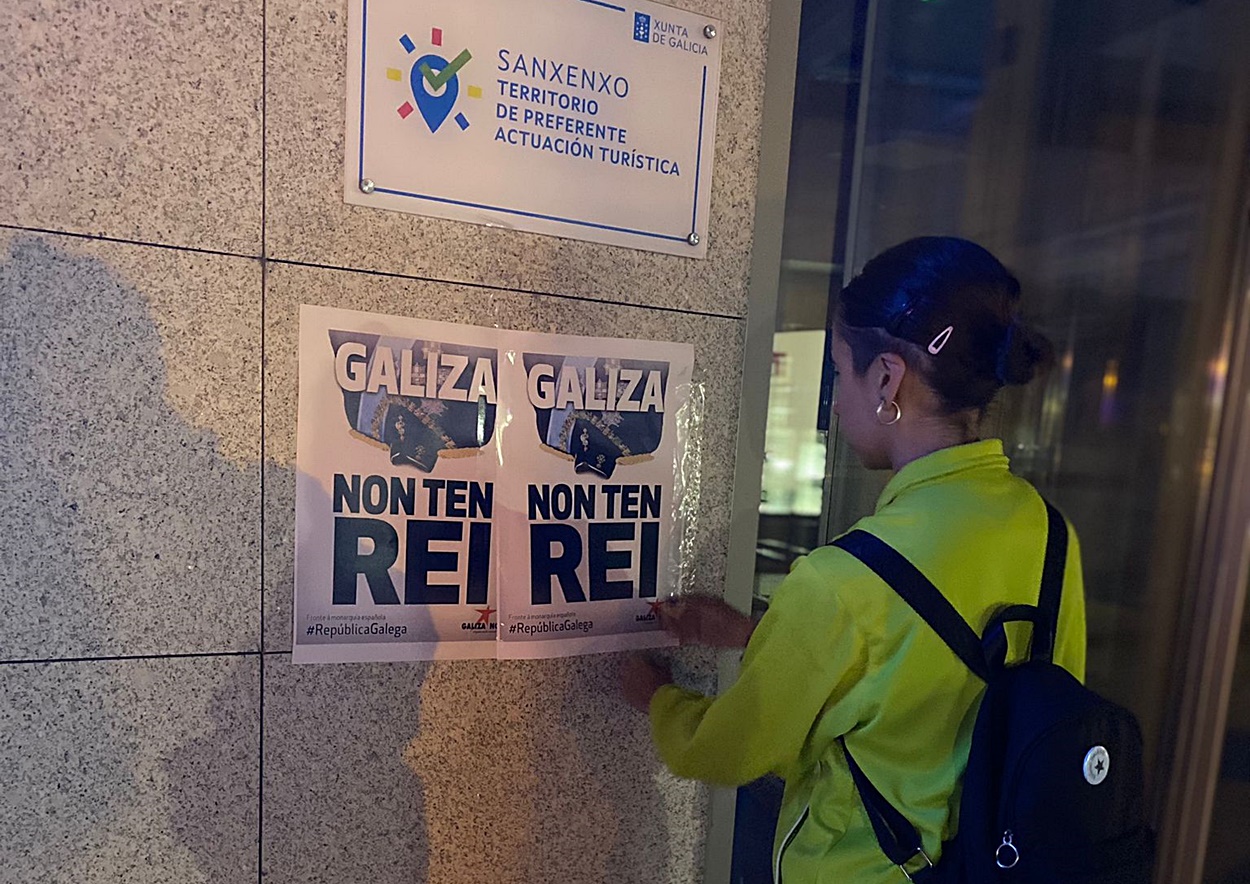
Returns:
<point x="805" y="655"/>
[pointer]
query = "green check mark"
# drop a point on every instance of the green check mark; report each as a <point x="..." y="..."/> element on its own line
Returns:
<point x="439" y="80"/>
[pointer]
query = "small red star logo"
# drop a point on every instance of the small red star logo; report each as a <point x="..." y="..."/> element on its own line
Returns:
<point x="655" y="607"/>
<point x="485" y="612"/>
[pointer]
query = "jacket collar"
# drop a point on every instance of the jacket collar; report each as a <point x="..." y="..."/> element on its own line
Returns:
<point x="943" y="464"/>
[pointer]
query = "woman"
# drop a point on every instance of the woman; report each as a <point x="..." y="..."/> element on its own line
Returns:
<point x="923" y="340"/>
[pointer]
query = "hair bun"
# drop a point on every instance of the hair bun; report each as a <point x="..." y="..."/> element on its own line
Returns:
<point x="1023" y="354"/>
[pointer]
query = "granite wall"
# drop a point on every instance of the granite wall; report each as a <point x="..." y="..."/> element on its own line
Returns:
<point x="170" y="192"/>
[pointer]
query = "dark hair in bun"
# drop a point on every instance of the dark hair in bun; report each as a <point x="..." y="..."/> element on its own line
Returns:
<point x="951" y="309"/>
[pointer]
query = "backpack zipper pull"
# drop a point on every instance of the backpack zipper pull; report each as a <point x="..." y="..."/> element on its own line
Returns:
<point x="1007" y="854"/>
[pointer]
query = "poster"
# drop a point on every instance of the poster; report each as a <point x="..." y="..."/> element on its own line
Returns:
<point x="587" y="119"/>
<point x="468" y="492"/>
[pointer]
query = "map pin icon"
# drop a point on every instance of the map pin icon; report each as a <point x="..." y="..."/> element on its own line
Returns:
<point x="434" y="108"/>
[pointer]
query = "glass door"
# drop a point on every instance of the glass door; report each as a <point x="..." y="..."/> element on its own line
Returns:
<point x="1101" y="151"/>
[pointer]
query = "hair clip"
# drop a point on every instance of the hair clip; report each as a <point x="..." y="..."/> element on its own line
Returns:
<point x="936" y="345"/>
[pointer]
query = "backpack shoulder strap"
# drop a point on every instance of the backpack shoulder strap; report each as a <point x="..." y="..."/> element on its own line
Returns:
<point x="920" y="593"/>
<point x="1051" y="592"/>
<point x="1044" y="616"/>
<point x="898" y="838"/>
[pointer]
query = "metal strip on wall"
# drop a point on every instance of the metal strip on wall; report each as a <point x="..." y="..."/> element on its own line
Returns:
<point x="761" y="320"/>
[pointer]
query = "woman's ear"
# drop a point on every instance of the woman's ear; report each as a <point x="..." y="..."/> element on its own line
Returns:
<point x="891" y="376"/>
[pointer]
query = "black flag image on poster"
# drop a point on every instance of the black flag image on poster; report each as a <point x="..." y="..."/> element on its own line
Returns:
<point x="599" y="412"/>
<point x="427" y="410"/>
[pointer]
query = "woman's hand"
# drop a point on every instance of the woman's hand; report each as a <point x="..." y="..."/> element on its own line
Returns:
<point x="641" y="677"/>
<point x="706" y="620"/>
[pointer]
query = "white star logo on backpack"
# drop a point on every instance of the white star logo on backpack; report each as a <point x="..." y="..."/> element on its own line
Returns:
<point x="1097" y="765"/>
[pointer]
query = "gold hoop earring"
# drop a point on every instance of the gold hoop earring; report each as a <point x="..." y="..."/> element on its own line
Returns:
<point x="898" y="413"/>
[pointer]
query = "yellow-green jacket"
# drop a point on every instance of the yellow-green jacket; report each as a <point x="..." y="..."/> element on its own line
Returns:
<point x="839" y="653"/>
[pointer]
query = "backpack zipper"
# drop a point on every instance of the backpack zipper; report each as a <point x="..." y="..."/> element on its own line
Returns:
<point x="781" y="851"/>
<point x="1009" y="804"/>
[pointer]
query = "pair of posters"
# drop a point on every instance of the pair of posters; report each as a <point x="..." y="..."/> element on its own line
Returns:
<point x="468" y="492"/>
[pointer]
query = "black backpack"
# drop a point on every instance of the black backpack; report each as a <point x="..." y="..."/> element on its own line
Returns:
<point x="1053" y="791"/>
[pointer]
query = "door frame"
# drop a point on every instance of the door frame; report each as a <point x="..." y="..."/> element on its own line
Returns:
<point x="1223" y="563"/>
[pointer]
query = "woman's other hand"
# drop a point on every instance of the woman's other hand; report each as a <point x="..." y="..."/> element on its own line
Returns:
<point x="641" y="677"/>
<point x="706" y="620"/>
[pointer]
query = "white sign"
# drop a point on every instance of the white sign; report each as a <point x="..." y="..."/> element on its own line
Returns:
<point x="469" y="492"/>
<point x="588" y="119"/>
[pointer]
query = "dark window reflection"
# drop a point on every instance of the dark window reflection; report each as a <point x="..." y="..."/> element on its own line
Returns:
<point x="1100" y="149"/>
